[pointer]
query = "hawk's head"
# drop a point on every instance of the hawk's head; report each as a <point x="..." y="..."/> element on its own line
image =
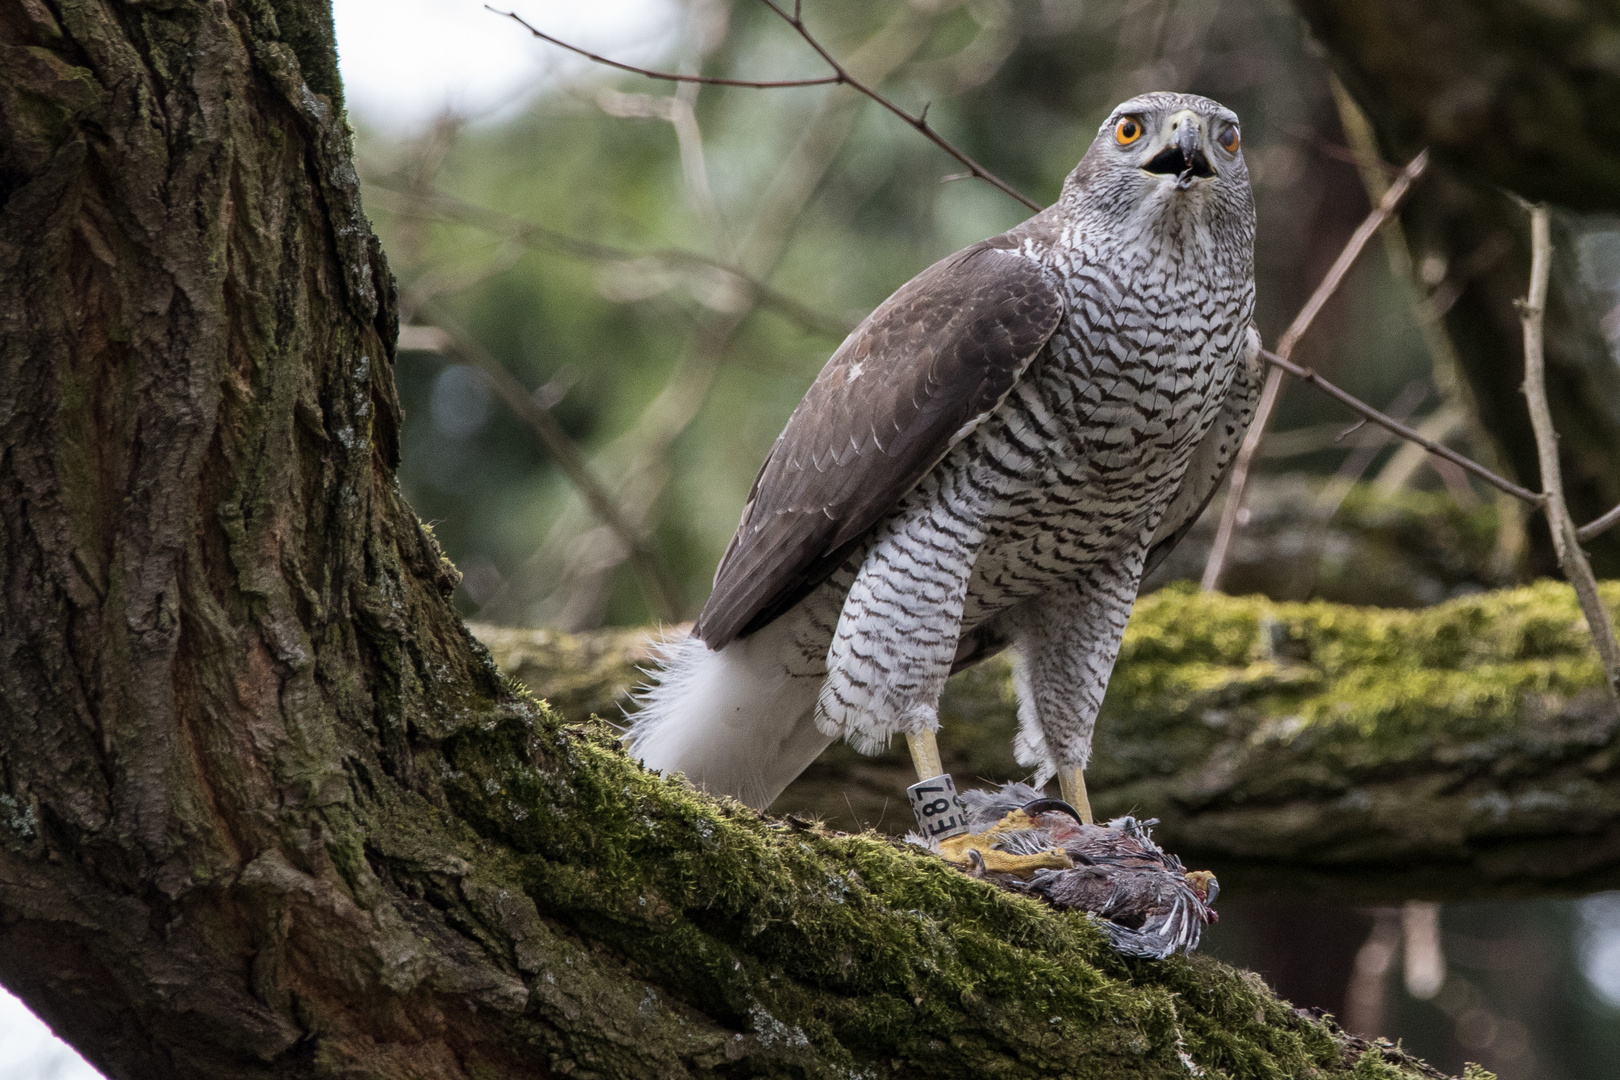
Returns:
<point x="1162" y="158"/>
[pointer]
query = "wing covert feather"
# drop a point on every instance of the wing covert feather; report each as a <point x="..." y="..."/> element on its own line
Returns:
<point x="938" y="355"/>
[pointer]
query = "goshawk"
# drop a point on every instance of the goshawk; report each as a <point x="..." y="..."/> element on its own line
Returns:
<point x="993" y="458"/>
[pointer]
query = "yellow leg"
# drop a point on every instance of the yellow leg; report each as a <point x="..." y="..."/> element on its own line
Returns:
<point x="1072" y="781"/>
<point x="925" y="754"/>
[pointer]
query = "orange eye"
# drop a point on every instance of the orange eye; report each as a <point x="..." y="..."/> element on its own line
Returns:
<point x="1127" y="131"/>
<point x="1229" y="140"/>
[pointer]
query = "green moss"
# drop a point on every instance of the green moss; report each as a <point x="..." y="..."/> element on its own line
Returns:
<point x="1384" y="685"/>
<point x="835" y="952"/>
<point x="1374" y="752"/>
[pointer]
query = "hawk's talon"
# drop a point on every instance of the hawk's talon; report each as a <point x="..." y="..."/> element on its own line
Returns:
<point x="1041" y="806"/>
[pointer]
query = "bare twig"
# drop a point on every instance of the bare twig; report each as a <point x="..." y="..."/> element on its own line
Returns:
<point x="1285" y="346"/>
<point x="655" y="581"/>
<point x="668" y="76"/>
<point x="436" y="205"/>
<point x="1594" y="529"/>
<point x="1566" y="539"/>
<point x="919" y="122"/>
<point x="840" y="76"/>
<point x="1389" y="423"/>
<point x="1364" y="998"/>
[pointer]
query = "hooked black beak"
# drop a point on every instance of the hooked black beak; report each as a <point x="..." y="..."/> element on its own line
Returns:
<point x="1183" y="158"/>
<point x="1044" y="806"/>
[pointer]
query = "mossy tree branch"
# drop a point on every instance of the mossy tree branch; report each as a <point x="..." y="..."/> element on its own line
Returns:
<point x="266" y="808"/>
<point x="1459" y="751"/>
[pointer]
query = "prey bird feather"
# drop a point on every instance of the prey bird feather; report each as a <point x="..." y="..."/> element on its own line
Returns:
<point x="1149" y="904"/>
<point x="992" y="459"/>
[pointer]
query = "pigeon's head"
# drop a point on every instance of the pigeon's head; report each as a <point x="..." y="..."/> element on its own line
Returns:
<point x="1205" y="887"/>
<point x="1162" y="159"/>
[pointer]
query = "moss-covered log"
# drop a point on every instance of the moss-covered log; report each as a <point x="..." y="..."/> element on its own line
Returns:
<point x="1513" y="97"/>
<point x="1457" y="751"/>
<point x="266" y="809"/>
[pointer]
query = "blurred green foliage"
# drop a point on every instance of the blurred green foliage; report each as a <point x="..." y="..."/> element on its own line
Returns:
<point x="831" y="200"/>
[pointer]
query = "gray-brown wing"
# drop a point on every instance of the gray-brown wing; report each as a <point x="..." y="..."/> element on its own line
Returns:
<point x="1213" y="458"/>
<point x="937" y="356"/>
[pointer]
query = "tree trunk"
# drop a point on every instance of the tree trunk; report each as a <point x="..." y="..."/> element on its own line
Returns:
<point x="1512" y="98"/>
<point x="267" y="809"/>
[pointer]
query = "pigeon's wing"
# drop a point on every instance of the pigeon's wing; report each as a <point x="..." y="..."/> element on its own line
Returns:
<point x="923" y="369"/>
<point x="1213" y="458"/>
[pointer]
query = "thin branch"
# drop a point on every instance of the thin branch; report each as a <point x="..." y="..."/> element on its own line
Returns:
<point x="1566" y="539"/>
<point x="1352" y="249"/>
<point x="1594" y="529"/>
<point x="437" y="205"/>
<point x="659" y="587"/>
<point x="919" y="122"/>
<point x="1285" y="346"/>
<point x="840" y="76"/>
<point x="668" y="76"/>
<point x="1389" y="423"/>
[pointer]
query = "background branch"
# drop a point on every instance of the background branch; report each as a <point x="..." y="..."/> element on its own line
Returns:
<point x="662" y="592"/>
<point x="668" y="76"/>
<point x="436" y="205"/>
<point x="1566" y="541"/>
<point x="639" y="458"/>
<point x="841" y="75"/>
<point x="1285" y="346"/>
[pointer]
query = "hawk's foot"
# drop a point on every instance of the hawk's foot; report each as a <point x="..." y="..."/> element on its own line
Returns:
<point x="1148" y="903"/>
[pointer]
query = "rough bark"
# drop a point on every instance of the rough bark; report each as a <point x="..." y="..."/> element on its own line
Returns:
<point x="1455" y="752"/>
<point x="1514" y="96"/>
<point x="266" y="809"/>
